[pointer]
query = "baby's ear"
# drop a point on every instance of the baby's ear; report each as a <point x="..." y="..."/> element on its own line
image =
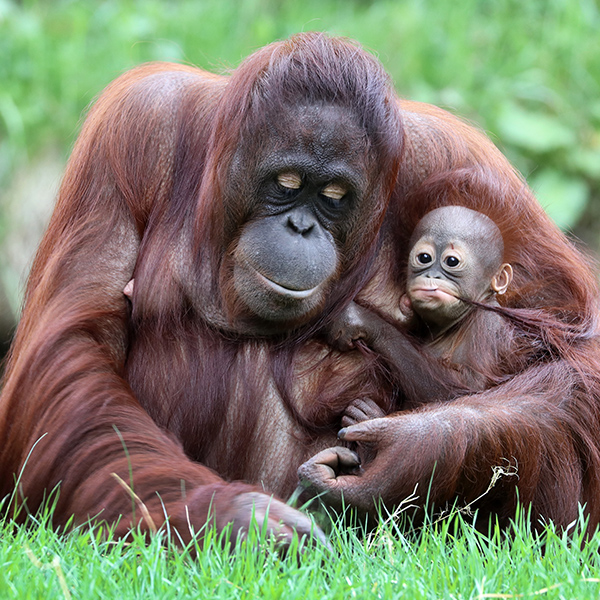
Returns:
<point x="501" y="280"/>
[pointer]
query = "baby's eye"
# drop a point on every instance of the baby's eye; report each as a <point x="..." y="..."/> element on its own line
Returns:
<point x="452" y="261"/>
<point x="424" y="258"/>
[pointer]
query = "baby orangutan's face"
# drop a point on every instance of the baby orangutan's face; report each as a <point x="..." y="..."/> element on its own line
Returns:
<point x="456" y="255"/>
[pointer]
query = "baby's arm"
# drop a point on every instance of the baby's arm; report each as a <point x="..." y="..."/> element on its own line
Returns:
<point x="421" y="376"/>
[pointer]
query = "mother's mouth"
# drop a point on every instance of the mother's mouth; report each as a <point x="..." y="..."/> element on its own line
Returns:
<point x="285" y="291"/>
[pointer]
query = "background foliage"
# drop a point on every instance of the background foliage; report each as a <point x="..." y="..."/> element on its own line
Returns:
<point x="526" y="72"/>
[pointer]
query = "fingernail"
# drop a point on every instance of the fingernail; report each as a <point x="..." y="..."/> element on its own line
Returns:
<point x="342" y="433"/>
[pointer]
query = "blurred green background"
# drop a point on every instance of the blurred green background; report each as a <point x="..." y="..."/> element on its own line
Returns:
<point x="527" y="72"/>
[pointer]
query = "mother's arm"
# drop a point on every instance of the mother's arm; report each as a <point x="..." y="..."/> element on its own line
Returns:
<point x="535" y="432"/>
<point x="68" y="418"/>
<point x="544" y="422"/>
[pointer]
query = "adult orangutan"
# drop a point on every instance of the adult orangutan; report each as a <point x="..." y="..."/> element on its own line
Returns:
<point x="251" y="210"/>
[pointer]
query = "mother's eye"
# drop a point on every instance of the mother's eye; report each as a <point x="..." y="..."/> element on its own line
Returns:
<point x="334" y="192"/>
<point x="290" y="180"/>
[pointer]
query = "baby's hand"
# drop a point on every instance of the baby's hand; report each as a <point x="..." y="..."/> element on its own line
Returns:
<point x="363" y="409"/>
<point x="350" y="326"/>
<point x="406" y="307"/>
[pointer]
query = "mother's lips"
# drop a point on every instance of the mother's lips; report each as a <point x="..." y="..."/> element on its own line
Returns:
<point x="280" y="289"/>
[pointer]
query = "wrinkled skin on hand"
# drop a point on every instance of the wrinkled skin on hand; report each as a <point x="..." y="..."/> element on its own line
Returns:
<point x="339" y="477"/>
<point x="361" y="410"/>
<point x="280" y="520"/>
<point x="355" y="323"/>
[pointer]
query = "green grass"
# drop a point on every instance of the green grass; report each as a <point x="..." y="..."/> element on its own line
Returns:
<point x="446" y="560"/>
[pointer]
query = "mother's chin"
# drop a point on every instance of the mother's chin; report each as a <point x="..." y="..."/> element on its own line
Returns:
<point x="275" y="302"/>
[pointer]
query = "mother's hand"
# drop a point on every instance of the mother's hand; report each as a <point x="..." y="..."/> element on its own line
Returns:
<point x="337" y="476"/>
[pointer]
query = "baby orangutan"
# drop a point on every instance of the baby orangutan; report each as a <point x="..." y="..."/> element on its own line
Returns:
<point x="452" y="345"/>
